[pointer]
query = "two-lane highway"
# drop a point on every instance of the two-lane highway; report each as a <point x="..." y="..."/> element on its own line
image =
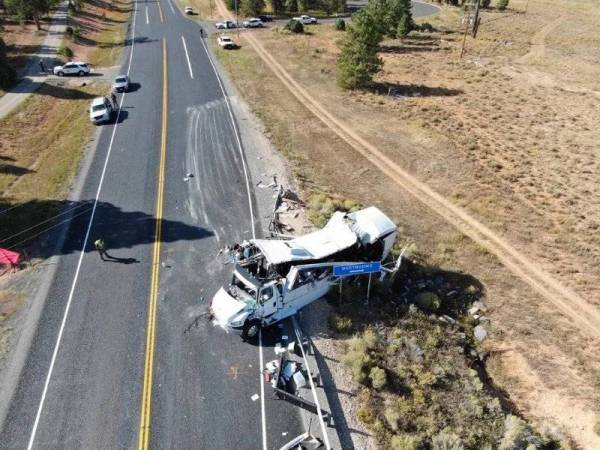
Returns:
<point x="110" y="365"/>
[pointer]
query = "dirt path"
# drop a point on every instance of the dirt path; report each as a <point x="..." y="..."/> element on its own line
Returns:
<point x="548" y="402"/>
<point x="565" y="300"/>
<point x="538" y="41"/>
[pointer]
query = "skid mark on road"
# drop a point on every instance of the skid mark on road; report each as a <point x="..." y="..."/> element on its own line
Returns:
<point x="216" y="189"/>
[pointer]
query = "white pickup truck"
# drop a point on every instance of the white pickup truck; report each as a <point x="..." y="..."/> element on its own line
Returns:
<point x="225" y="25"/>
<point x="274" y="278"/>
<point x="305" y="20"/>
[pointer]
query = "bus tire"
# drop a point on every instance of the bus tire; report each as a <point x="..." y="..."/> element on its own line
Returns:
<point x="251" y="330"/>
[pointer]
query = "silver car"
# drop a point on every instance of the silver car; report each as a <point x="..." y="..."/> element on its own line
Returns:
<point x="121" y="83"/>
<point x="253" y="23"/>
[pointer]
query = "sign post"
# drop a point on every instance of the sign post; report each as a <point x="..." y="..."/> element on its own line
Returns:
<point x="348" y="270"/>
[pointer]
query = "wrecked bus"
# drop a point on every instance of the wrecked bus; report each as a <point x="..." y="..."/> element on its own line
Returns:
<point x="274" y="278"/>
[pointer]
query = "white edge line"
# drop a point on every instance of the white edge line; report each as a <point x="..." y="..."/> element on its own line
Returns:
<point x="239" y="142"/>
<point x="82" y="253"/>
<point x="263" y="416"/>
<point x="312" y="386"/>
<point x="171" y="6"/>
<point x="187" y="56"/>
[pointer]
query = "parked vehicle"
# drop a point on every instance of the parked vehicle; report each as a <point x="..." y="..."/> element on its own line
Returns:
<point x="274" y="278"/>
<point x="101" y="110"/>
<point x="305" y="20"/>
<point x="253" y="23"/>
<point x="121" y="83"/>
<point x="266" y="18"/>
<point x="72" y="68"/>
<point x="226" y="42"/>
<point x="189" y="10"/>
<point x="226" y="25"/>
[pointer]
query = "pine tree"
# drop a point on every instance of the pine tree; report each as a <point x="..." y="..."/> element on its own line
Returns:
<point x="35" y="9"/>
<point x="502" y="4"/>
<point x="277" y="7"/>
<point x="359" y="61"/>
<point x="291" y="5"/>
<point x="249" y="8"/>
<point x="7" y="73"/>
<point x="404" y="27"/>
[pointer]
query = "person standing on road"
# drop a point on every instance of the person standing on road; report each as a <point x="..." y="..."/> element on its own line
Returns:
<point x="101" y="247"/>
<point x="42" y="67"/>
<point x="113" y="99"/>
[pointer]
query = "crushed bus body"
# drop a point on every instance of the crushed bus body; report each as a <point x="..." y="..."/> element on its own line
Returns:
<point x="274" y="278"/>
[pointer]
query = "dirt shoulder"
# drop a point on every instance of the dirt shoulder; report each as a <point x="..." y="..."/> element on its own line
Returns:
<point x="518" y="156"/>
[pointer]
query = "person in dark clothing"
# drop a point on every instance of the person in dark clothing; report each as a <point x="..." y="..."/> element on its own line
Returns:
<point x="42" y="67"/>
<point x="113" y="99"/>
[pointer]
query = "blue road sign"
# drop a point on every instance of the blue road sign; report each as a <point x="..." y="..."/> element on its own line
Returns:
<point x="357" y="269"/>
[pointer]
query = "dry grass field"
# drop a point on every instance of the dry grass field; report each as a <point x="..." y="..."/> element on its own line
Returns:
<point x="509" y="133"/>
<point x="22" y="41"/>
<point x="102" y="27"/>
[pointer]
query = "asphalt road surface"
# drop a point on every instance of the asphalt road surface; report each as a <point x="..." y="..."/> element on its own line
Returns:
<point x="419" y="9"/>
<point x="123" y="355"/>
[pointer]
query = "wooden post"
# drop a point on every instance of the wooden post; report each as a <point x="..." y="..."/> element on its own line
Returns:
<point x="475" y="20"/>
<point x="462" y="50"/>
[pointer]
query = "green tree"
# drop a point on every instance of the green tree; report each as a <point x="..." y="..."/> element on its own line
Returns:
<point x="30" y="9"/>
<point x="294" y="26"/>
<point x="404" y="27"/>
<point x="291" y="5"/>
<point x="358" y="61"/>
<point x="502" y="4"/>
<point x="277" y="6"/>
<point x="251" y="7"/>
<point x="340" y="25"/>
<point x="397" y="19"/>
<point x="7" y="73"/>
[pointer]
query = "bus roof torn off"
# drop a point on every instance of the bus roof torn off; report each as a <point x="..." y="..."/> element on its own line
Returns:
<point x="342" y="232"/>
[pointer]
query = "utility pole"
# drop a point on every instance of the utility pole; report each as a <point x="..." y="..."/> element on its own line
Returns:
<point x="476" y="19"/>
<point x="237" y="23"/>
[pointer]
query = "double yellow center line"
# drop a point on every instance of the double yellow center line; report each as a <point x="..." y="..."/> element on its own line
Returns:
<point x="144" y="434"/>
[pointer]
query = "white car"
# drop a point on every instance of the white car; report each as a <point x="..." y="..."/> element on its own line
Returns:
<point x="189" y="10"/>
<point x="101" y="110"/>
<point x="121" y="83"/>
<point x="305" y="20"/>
<point x="226" y="42"/>
<point x="72" y="68"/>
<point x="253" y="23"/>
<point x="226" y="25"/>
